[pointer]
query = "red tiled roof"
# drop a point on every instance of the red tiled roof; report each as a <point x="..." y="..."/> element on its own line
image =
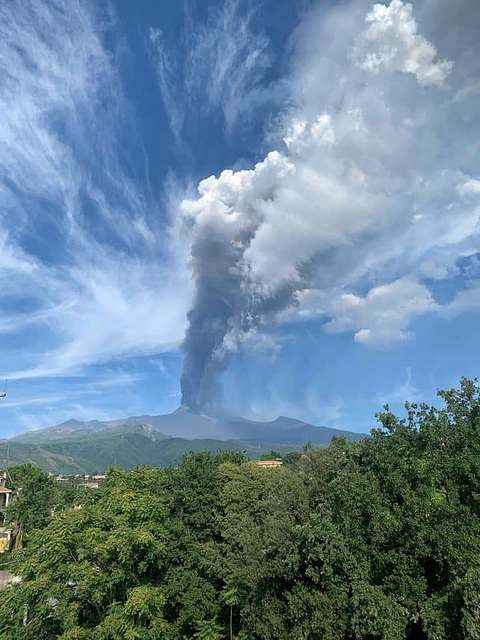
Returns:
<point x="5" y="490"/>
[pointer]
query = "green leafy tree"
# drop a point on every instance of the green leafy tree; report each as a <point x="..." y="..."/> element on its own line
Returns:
<point x="93" y="571"/>
<point x="35" y="498"/>
<point x="273" y="455"/>
<point x="292" y="457"/>
<point x="370" y="540"/>
<point x="209" y="630"/>
<point x="233" y="596"/>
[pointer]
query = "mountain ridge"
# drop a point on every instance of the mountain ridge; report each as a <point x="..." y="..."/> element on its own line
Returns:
<point x="77" y="446"/>
<point x="185" y="424"/>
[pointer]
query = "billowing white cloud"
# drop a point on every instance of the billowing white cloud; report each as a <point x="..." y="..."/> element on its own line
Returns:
<point x="366" y="190"/>
<point x="302" y="135"/>
<point x="391" y="41"/>
<point x="470" y="187"/>
<point x="384" y="314"/>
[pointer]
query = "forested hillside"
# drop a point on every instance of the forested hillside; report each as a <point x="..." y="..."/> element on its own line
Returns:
<point x="91" y="447"/>
<point x="126" y="446"/>
<point x="95" y="453"/>
<point x="370" y="540"/>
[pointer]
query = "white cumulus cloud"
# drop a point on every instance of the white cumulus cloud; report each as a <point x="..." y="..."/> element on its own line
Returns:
<point x="392" y="41"/>
<point x="362" y="191"/>
<point x="384" y="313"/>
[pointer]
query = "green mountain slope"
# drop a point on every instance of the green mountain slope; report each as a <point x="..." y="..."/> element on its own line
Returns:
<point x="125" y="446"/>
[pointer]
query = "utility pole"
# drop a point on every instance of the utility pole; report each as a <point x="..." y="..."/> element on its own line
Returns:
<point x="3" y="395"/>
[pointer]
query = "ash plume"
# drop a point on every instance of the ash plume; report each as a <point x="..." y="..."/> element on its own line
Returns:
<point x="217" y="302"/>
<point x="364" y="200"/>
<point x="226" y="308"/>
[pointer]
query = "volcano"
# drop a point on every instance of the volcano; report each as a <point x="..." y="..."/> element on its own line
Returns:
<point x="185" y="423"/>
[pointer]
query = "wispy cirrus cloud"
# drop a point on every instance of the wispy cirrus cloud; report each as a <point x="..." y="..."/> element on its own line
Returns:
<point x="405" y="391"/>
<point x="218" y="65"/>
<point x="42" y="402"/>
<point x="86" y="267"/>
<point x="85" y="388"/>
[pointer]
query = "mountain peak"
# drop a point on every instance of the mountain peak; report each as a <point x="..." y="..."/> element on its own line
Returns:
<point x="76" y="446"/>
<point x="184" y="423"/>
<point x="73" y="422"/>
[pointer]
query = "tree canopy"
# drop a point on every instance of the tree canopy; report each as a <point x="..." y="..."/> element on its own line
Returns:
<point x="373" y="540"/>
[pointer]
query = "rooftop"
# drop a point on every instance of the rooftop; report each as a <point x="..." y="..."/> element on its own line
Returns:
<point x="269" y="463"/>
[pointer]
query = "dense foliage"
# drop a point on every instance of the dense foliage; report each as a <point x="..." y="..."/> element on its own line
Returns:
<point x="37" y="497"/>
<point x="372" y="540"/>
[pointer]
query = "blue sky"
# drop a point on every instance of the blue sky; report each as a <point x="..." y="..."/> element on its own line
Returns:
<point x="338" y="241"/>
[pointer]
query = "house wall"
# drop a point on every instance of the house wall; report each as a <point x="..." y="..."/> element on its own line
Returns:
<point x="4" y="541"/>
